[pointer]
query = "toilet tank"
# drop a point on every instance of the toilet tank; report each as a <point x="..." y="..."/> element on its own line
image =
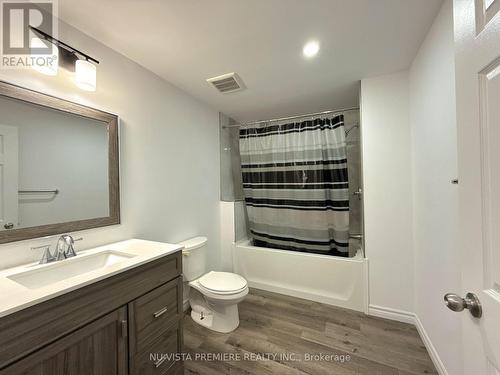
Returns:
<point x="194" y="258"/>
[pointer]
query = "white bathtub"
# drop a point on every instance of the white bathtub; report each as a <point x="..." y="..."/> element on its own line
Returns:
<point x="323" y="278"/>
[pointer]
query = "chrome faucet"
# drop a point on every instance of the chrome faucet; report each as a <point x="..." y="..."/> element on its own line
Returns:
<point x="64" y="249"/>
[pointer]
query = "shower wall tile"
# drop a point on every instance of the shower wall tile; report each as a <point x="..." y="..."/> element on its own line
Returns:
<point x="351" y="123"/>
<point x="231" y="184"/>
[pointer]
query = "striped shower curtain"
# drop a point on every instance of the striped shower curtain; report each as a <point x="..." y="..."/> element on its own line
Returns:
<point x="296" y="185"/>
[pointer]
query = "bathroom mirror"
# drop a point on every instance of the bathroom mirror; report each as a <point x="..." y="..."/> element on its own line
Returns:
<point x="58" y="165"/>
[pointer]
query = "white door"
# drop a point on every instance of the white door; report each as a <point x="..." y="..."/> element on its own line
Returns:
<point x="477" y="42"/>
<point x="9" y="201"/>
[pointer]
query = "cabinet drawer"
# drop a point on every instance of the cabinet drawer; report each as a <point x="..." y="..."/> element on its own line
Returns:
<point x="152" y="314"/>
<point x="158" y="358"/>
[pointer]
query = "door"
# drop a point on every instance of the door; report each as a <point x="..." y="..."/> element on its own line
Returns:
<point x="100" y="348"/>
<point x="477" y="43"/>
<point x="9" y="171"/>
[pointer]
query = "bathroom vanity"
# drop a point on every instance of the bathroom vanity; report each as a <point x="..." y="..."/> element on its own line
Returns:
<point x="121" y="316"/>
<point x="115" y="309"/>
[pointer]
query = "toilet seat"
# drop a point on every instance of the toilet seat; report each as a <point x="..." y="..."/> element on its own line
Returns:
<point x="222" y="283"/>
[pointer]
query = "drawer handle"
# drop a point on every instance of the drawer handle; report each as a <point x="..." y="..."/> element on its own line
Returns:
<point x="160" y="312"/>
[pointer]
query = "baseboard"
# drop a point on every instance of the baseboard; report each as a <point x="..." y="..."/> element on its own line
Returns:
<point x="392" y="314"/>
<point x="411" y="318"/>
<point x="430" y="347"/>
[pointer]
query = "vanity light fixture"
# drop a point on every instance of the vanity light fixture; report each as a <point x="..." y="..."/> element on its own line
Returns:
<point x="68" y="57"/>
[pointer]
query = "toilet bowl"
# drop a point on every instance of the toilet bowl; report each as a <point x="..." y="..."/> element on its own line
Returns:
<point x="213" y="296"/>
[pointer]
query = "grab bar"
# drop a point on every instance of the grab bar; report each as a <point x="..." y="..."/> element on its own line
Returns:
<point x="55" y="191"/>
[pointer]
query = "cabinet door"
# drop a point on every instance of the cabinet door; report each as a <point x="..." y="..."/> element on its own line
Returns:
<point x="100" y="348"/>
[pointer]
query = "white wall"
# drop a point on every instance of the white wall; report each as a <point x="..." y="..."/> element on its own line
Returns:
<point x="169" y="152"/>
<point x="80" y="175"/>
<point x="432" y="115"/>
<point x="410" y="158"/>
<point x="387" y="192"/>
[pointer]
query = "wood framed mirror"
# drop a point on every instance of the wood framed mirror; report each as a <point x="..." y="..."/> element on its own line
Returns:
<point x="59" y="164"/>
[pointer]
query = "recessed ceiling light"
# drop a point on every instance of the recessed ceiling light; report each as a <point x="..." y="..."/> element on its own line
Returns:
<point x="311" y="49"/>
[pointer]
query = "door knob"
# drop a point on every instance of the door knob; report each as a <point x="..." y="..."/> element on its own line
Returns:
<point x="470" y="302"/>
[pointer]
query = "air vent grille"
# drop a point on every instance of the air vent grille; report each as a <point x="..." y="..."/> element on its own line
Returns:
<point x="227" y="83"/>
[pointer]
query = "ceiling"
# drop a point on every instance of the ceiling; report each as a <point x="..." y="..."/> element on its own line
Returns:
<point x="188" y="41"/>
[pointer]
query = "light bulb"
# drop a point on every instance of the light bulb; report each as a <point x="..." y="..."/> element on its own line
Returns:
<point x="85" y="75"/>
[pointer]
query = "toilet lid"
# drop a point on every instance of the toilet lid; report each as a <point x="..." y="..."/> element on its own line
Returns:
<point x="222" y="282"/>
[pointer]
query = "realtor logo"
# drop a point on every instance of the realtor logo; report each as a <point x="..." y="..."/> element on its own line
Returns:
<point x="21" y="45"/>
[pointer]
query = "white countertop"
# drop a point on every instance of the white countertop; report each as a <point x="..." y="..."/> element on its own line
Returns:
<point x="15" y="297"/>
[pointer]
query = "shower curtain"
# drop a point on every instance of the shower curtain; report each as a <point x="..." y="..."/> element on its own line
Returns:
<point x="296" y="185"/>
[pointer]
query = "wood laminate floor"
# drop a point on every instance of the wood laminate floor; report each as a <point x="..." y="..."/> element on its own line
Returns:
<point x="273" y="324"/>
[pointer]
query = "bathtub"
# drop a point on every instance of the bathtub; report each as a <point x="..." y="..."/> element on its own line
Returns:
<point x="323" y="278"/>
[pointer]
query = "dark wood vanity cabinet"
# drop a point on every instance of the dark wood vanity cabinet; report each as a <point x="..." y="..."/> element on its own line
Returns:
<point x="98" y="348"/>
<point x="130" y="323"/>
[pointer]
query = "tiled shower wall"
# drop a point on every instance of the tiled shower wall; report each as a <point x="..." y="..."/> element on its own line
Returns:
<point x="231" y="182"/>
<point x="351" y="123"/>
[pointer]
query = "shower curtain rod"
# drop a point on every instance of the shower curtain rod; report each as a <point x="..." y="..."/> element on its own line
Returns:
<point x="291" y="117"/>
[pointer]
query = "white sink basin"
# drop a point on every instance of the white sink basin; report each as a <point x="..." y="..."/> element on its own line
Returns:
<point x="65" y="269"/>
<point x="26" y="285"/>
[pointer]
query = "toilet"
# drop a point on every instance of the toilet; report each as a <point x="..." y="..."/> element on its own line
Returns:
<point x="213" y="296"/>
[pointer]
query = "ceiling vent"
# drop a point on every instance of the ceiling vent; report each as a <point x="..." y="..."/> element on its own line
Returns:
<point x="227" y="83"/>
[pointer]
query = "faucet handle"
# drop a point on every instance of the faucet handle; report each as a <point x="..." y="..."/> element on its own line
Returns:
<point x="69" y="239"/>
<point x="47" y="256"/>
<point x="40" y="247"/>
